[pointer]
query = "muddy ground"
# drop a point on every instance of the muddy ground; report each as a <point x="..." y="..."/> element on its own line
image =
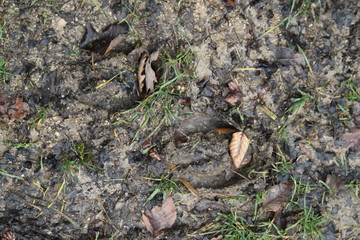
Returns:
<point x="43" y="198"/>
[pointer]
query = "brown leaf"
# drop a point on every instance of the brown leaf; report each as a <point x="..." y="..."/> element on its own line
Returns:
<point x="100" y="42"/>
<point x="154" y="56"/>
<point x="234" y="87"/>
<point x="185" y="102"/>
<point x="179" y="138"/>
<point x="135" y="55"/>
<point x="277" y="197"/>
<point x="238" y="147"/>
<point x="153" y="153"/>
<point x="160" y="218"/>
<point x="232" y="99"/>
<point x="8" y="235"/>
<point x="352" y="139"/>
<point x="141" y="70"/>
<point x="235" y="94"/>
<point x="13" y="112"/>
<point x="114" y="43"/>
<point x="150" y="149"/>
<point x="150" y="76"/>
<point x="225" y="130"/>
<point x="146" y="72"/>
<point x="230" y="3"/>
<point x="146" y="143"/>
<point x="188" y="186"/>
<point x="19" y="110"/>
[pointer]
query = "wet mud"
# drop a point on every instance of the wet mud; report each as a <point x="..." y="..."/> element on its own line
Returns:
<point x="81" y="99"/>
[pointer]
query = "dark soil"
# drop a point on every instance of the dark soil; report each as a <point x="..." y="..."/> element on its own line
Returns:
<point x="40" y="44"/>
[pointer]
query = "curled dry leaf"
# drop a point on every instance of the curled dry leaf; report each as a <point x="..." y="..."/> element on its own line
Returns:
<point x="235" y="94"/>
<point x="238" y="147"/>
<point x="225" y="130"/>
<point x="8" y="235"/>
<point x="150" y="149"/>
<point x="185" y="101"/>
<point x="188" y="186"/>
<point x="141" y="70"/>
<point x="150" y="76"/>
<point x="179" y="138"/>
<point x="277" y="197"/>
<point x="154" y="153"/>
<point x="160" y="218"/>
<point x="135" y="55"/>
<point x="230" y="3"/>
<point x="145" y="72"/>
<point x="146" y="143"/>
<point x="114" y="43"/>
<point x="104" y="41"/>
<point x="15" y="111"/>
<point x="19" y="109"/>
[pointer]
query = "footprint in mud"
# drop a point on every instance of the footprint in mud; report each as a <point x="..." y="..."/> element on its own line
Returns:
<point x="201" y="154"/>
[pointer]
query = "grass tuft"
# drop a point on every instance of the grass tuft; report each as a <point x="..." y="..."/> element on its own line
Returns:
<point x="80" y="158"/>
<point x="165" y="185"/>
<point x="160" y="106"/>
<point x="4" y="74"/>
<point x="294" y="110"/>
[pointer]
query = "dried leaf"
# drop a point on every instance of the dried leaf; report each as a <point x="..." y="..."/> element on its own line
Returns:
<point x="235" y="94"/>
<point x="238" y="147"/>
<point x="232" y="99"/>
<point x="19" y="110"/>
<point x="141" y="70"/>
<point x="234" y="87"/>
<point x="114" y="43"/>
<point x="188" y="186"/>
<point x="150" y="76"/>
<point x="352" y="139"/>
<point x="154" y="56"/>
<point x="179" y="138"/>
<point x="230" y="3"/>
<point x="8" y="235"/>
<point x="160" y="218"/>
<point x="100" y="42"/>
<point x="146" y="143"/>
<point x="150" y="149"/>
<point x="277" y="197"/>
<point x="185" y="102"/>
<point x="153" y="153"/>
<point x="146" y="72"/>
<point x="135" y="55"/>
<point x="13" y="112"/>
<point x="225" y="130"/>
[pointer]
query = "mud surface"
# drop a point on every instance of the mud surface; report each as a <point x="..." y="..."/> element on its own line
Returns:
<point x="40" y="44"/>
